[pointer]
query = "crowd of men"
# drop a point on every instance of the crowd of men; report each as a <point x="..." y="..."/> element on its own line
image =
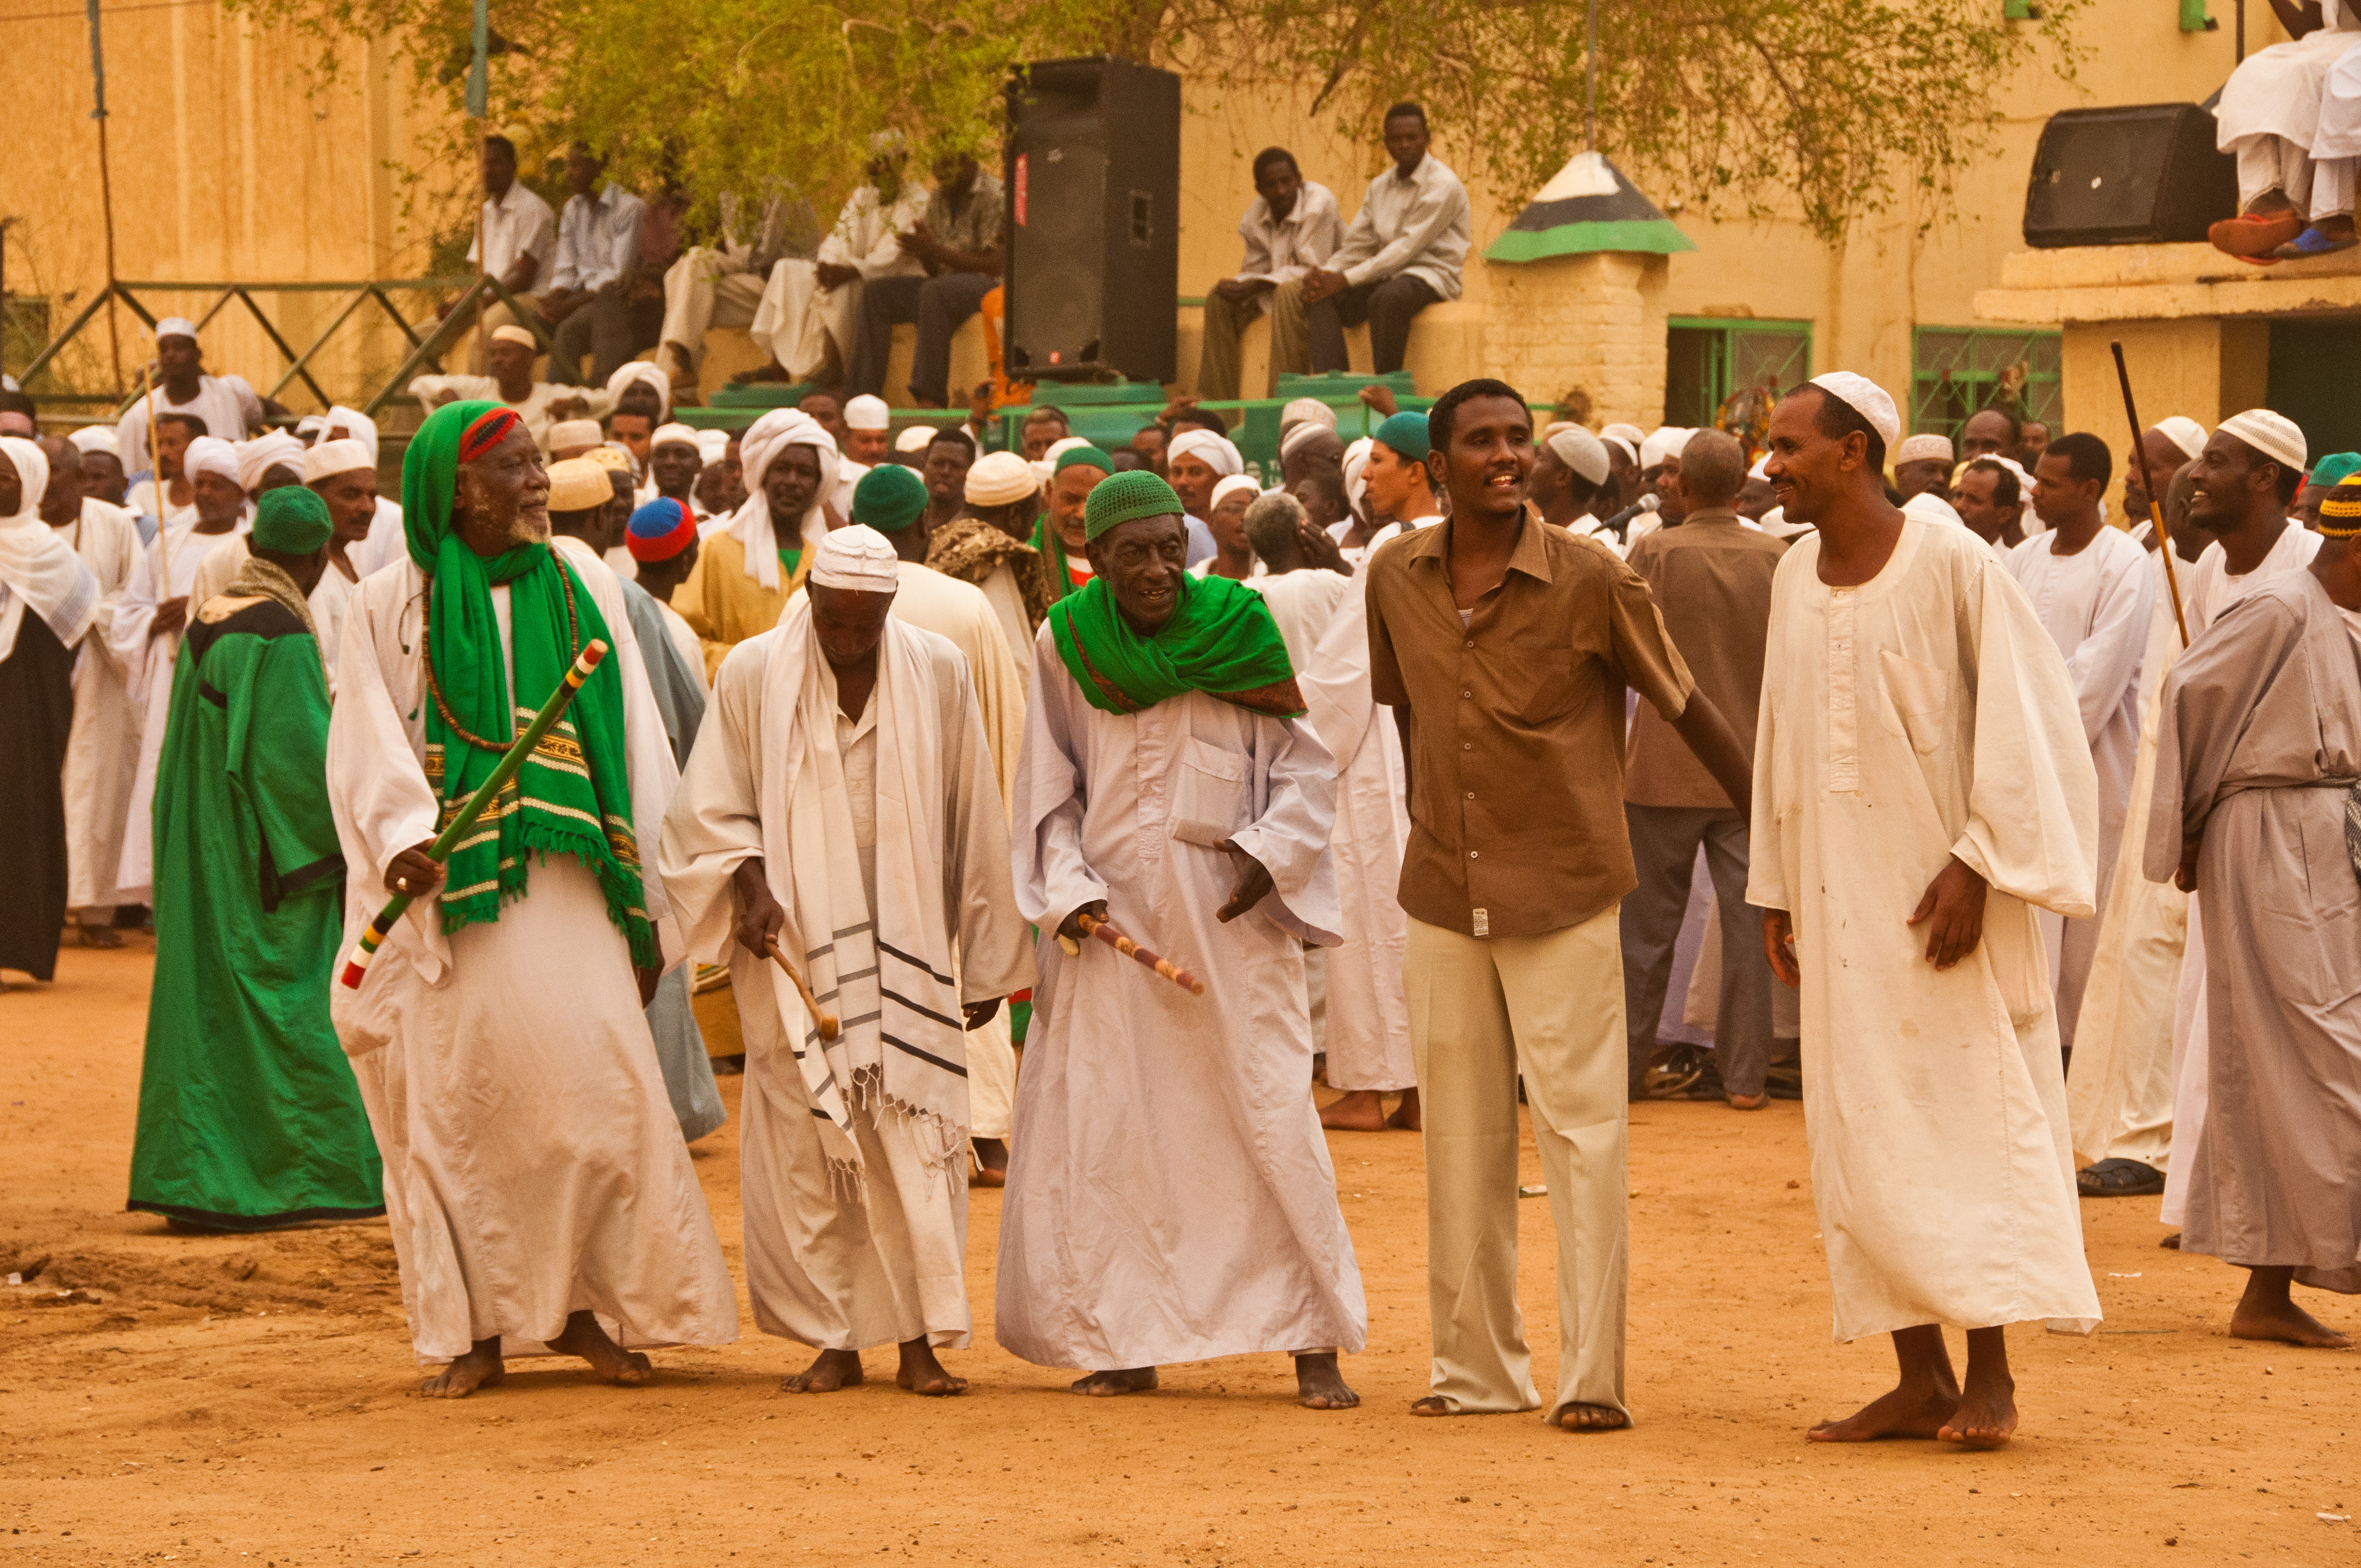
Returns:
<point x="1405" y="761"/>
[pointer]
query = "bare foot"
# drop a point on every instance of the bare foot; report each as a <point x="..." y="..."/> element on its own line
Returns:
<point x="611" y="1362"/>
<point x="1107" y="1385"/>
<point x="1361" y="1111"/>
<point x="1320" y="1384"/>
<point x="1986" y="1417"/>
<point x="2267" y="1312"/>
<point x="1905" y="1412"/>
<point x="479" y="1368"/>
<point x="991" y="1162"/>
<point x="1748" y="1102"/>
<point x="1591" y="1418"/>
<point x="1433" y="1405"/>
<point x="1406" y="1117"/>
<point x="830" y="1370"/>
<point x="922" y="1373"/>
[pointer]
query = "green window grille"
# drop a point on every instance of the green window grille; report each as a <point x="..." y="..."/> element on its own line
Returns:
<point x="1956" y="370"/>
<point x="1712" y="366"/>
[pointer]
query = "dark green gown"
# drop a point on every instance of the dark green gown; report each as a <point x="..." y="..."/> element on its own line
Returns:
<point x="248" y="1115"/>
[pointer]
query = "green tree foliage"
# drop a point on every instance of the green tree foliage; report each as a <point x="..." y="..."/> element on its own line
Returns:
<point x="1823" y="110"/>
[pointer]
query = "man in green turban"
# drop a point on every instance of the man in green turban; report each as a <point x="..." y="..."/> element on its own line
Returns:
<point x="534" y="1176"/>
<point x="1171" y="787"/>
<point x="248" y="1116"/>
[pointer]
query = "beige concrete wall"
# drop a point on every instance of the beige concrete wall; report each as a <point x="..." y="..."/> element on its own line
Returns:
<point x="2205" y="368"/>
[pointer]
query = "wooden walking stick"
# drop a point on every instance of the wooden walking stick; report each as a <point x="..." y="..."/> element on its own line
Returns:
<point x="356" y="963"/>
<point x="156" y="479"/>
<point x="2155" y="505"/>
<point x="1100" y="929"/>
<point x="824" y="1021"/>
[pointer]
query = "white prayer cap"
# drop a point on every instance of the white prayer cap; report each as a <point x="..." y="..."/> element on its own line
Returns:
<point x="2185" y="433"/>
<point x="310" y="426"/>
<point x="1001" y="479"/>
<point x="642" y="370"/>
<point x="517" y="335"/>
<point x="1304" y="411"/>
<point x="1629" y="435"/>
<point x="95" y="438"/>
<point x="1923" y="449"/>
<point x="569" y="432"/>
<point x="713" y="446"/>
<point x="916" y="438"/>
<point x="176" y="326"/>
<point x="679" y="433"/>
<point x="1236" y="485"/>
<point x="867" y="412"/>
<point x="1578" y="450"/>
<point x="1629" y="449"/>
<point x="269" y="450"/>
<point x="1356" y="468"/>
<point x="1303" y="430"/>
<point x="1865" y="397"/>
<point x="1663" y="445"/>
<point x="860" y="558"/>
<point x="1928" y="506"/>
<point x="1047" y="464"/>
<point x="209" y="454"/>
<point x="333" y="458"/>
<point x="2273" y="435"/>
<point x="357" y="426"/>
<point x="1762" y="469"/>
<point x="1215" y="451"/>
<point x="579" y="485"/>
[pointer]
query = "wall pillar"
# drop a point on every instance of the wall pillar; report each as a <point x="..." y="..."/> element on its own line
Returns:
<point x="1594" y="320"/>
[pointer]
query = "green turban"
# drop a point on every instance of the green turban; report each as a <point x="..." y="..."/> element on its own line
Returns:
<point x="1406" y="434"/>
<point x="1126" y="498"/>
<point x="291" y="520"/>
<point x="1077" y="456"/>
<point x="889" y="498"/>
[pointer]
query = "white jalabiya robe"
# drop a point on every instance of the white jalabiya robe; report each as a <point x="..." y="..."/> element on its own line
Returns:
<point x="797" y="320"/>
<point x="1921" y="716"/>
<point x="2207" y="589"/>
<point x="878" y="1259"/>
<point x="533" y="1164"/>
<point x="2269" y="112"/>
<point x="166" y="570"/>
<point x="2119" y="1085"/>
<point x="2095" y="605"/>
<point x="103" y="750"/>
<point x="1368" y="1010"/>
<point x="1169" y="1194"/>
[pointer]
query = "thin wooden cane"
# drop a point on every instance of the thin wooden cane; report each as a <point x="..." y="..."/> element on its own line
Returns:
<point x="1100" y="929"/>
<point x="825" y="1022"/>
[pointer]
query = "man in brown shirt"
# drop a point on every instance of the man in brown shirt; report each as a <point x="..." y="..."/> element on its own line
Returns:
<point x="1711" y="576"/>
<point x="1504" y="646"/>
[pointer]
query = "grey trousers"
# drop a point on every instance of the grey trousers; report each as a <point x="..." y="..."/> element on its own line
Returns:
<point x="1665" y="840"/>
<point x="939" y="306"/>
<point x="1387" y="306"/>
<point x="611" y="330"/>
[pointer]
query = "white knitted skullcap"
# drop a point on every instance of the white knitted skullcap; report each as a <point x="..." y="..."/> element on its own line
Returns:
<point x="858" y="557"/>
<point x="2185" y="433"/>
<point x="1578" y="450"/>
<point x="1865" y="397"/>
<point x="2273" y="435"/>
<point x="333" y="458"/>
<point x="867" y="412"/>
<point x="1924" y="448"/>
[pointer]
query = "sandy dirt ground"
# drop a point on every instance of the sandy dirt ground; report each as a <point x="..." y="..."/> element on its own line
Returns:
<point x="250" y="1400"/>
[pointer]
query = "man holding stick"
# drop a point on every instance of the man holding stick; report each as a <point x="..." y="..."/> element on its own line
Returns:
<point x="1169" y="1196"/>
<point x="535" y="1180"/>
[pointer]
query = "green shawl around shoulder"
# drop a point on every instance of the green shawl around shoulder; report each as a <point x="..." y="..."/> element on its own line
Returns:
<point x="1221" y="641"/>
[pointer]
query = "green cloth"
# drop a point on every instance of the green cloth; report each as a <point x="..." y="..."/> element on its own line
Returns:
<point x="1126" y="498"/>
<point x="248" y="1115"/>
<point x="1221" y="641"/>
<point x="889" y="497"/>
<point x="789" y="559"/>
<point x="1406" y="434"/>
<point x="1074" y="456"/>
<point x="2332" y="469"/>
<point x="292" y="521"/>
<point x="573" y="796"/>
<point x="1053" y="551"/>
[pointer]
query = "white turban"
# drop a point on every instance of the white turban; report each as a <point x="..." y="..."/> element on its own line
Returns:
<point x="1666" y="443"/>
<point x="308" y="428"/>
<point x="37" y="567"/>
<point x="752" y="525"/>
<point x="569" y="432"/>
<point x="272" y="449"/>
<point x="1356" y="467"/>
<point x="1865" y="397"/>
<point x="867" y="412"/>
<point x="209" y="454"/>
<point x="333" y="458"/>
<point x="2273" y="435"/>
<point x="914" y="438"/>
<point x="1306" y="411"/>
<point x="2185" y="433"/>
<point x="1928" y="506"/>
<point x="1302" y="432"/>
<point x="1215" y="451"/>
<point x="642" y="370"/>
<point x="679" y="433"/>
<point x="522" y="336"/>
<point x="1923" y="449"/>
<point x="1001" y="479"/>
<point x="357" y="426"/>
<point x="1578" y="450"/>
<point x="95" y="438"/>
<point x="860" y="558"/>
<point x="713" y="446"/>
<point x="1236" y="485"/>
<point x="176" y="326"/>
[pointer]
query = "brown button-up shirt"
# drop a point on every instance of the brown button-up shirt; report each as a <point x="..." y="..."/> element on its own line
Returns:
<point x="1711" y="577"/>
<point x="1516" y="726"/>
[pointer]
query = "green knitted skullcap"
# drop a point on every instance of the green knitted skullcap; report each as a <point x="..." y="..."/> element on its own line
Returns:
<point x="1074" y="456"/>
<point x="292" y="521"/>
<point x="1406" y="434"/>
<point x="1126" y="497"/>
<point x="889" y="498"/>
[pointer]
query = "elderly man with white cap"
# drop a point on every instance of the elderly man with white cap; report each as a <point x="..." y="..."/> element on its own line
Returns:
<point x="1922" y="465"/>
<point x="842" y="819"/>
<point x="991" y="546"/>
<point x="745" y="570"/>
<point x="866" y="421"/>
<point x="1921" y="786"/>
<point x="509" y="356"/>
<point x="227" y="404"/>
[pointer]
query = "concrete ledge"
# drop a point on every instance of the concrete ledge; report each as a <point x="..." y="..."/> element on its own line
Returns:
<point x="1447" y="347"/>
<point x="2164" y="282"/>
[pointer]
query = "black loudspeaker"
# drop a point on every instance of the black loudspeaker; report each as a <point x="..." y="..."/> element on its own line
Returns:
<point x="1094" y="178"/>
<point x="2147" y="174"/>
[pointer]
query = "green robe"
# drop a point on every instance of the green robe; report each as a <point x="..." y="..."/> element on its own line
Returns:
<point x="248" y="1115"/>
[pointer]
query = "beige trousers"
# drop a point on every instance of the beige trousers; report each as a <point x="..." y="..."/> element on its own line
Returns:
<point x="1291" y="335"/>
<point x="1549" y="1007"/>
<point x="701" y="292"/>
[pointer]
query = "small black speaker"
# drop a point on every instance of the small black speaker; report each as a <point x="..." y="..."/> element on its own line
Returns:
<point x="2147" y="174"/>
<point x="1094" y="178"/>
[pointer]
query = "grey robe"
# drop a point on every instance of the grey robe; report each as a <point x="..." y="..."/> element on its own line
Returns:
<point x="2261" y="728"/>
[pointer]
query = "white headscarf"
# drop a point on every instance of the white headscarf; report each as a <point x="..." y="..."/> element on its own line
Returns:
<point x="1236" y="484"/>
<point x="751" y="525"/>
<point x="1356" y="468"/>
<point x="357" y="426"/>
<point x="36" y="565"/>
<point x="272" y="449"/>
<point x="95" y="438"/>
<point x="642" y="370"/>
<point x="1215" y="451"/>
<point x="209" y="454"/>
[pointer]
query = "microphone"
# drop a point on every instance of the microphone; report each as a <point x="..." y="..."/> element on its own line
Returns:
<point x="1622" y="520"/>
